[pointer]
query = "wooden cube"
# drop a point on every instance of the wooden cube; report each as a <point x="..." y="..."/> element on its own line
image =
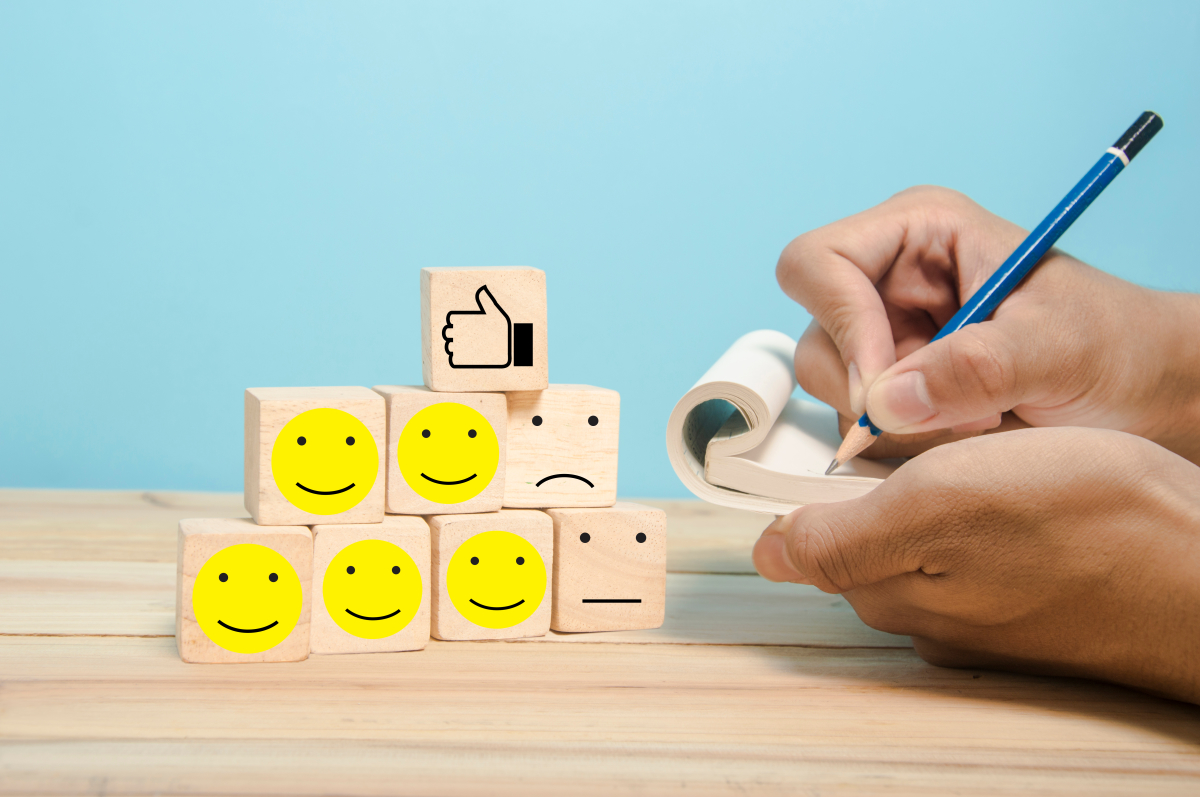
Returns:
<point x="562" y="447"/>
<point x="242" y="591"/>
<point x="445" y="452"/>
<point x="610" y="568"/>
<point x="491" y="574"/>
<point x="484" y="329"/>
<point x="371" y="586"/>
<point x="314" y="455"/>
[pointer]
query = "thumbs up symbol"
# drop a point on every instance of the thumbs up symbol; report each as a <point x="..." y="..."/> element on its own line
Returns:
<point x="483" y="338"/>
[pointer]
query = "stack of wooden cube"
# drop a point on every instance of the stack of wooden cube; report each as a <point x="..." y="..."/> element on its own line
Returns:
<point x="481" y="505"/>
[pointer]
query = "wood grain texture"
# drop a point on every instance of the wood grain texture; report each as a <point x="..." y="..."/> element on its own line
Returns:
<point x="504" y="718"/>
<point x="448" y="532"/>
<point x="821" y="704"/>
<point x="477" y="337"/>
<point x="403" y="402"/>
<point x="557" y="456"/>
<point x="268" y="410"/>
<point x="610" y="568"/>
<point x="411" y="535"/>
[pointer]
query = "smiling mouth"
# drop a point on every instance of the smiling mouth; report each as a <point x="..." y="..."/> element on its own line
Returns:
<point x="323" y="492"/>
<point x="448" y="484"/>
<point x="497" y="608"/>
<point x="564" y="476"/>
<point x="364" y="617"/>
<point x="224" y="624"/>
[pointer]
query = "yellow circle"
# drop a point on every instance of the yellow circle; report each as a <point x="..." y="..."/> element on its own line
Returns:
<point x="372" y="589"/>
<point x="496" y="579"/>
<point x="448" y="453"/>
<point x="238" y="604"/>
<point x="324" y="461"/>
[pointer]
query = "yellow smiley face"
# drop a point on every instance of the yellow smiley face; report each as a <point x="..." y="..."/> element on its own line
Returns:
<point x="496" y="579"/>
<point x="448" y="453"/>
<point x="247" y="598"/>
<point x="324" y="461"/>
<point x="372" y="589"/>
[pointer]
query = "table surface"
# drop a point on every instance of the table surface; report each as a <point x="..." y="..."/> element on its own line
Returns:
<point x="748" y="687"/>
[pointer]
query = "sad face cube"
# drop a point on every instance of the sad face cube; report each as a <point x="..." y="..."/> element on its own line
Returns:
<point x="610" y="568"/>
<point x="562" y="447"/>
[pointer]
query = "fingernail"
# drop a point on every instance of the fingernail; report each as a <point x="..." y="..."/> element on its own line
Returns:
<point x="857" y="399"/>
<point x="772" y="562"/>
<point x="781" y="523"/>
<point x="900" y="401"/>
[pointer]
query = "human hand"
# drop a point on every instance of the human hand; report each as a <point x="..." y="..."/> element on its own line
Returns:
<point x="1071" y="346"/>
<point x="482" y="338"/>
<point x="1057" y="551"/>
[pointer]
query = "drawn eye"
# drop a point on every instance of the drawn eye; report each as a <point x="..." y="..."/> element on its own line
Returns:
<point x="273" y="577"/>
<point x="424" y="433"/>
<point x="640" y="537"/>
<point x="585" y="537"/>
<point x="395" y="569"/>
<point x="349" y="441"/>
<point x="471" y="433"/>
<point x="537" y="420"/>
<point x="593" y="420"/>
<point x="350" y="569"/>
<point x="520" y="560"/>
<point x="474" y="560"/>
<point x="223" y="577"/>
<point x="300" y="441"/>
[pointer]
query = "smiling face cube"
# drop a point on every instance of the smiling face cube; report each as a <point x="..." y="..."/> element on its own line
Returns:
<point x="562" y="447"/>
<point x="314" y="455"/>
<point x="491" y="574"/>
<point x="242" y="591"/>
<point x="446" y="451"/>
<point x="371" y="586"/>
<point x="610" y="568"/>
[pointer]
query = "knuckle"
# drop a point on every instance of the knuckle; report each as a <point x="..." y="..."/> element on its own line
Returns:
<point x="980" y="367"/>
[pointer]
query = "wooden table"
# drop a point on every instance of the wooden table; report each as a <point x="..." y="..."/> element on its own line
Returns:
<point x="748" y="687"/>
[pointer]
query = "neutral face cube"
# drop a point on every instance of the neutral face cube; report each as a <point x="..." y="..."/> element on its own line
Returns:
<point x="610" y="568"/>
<point x="446" y="451"/>
<point x="314" y="455"/>
<point x="484" y="329"/>
<point x="562" y="447"/>
<point x="371" y="586"/>
<point x="491" y="574"/>
<point x="242" y="591"/>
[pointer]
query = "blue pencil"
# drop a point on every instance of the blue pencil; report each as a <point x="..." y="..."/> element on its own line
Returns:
<point x="985" y="300"/>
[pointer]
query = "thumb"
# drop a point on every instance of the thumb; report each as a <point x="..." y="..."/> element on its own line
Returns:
<point x="845" y="545"/>
<point x="487" y="303"/>
<point x="973" y="374"/>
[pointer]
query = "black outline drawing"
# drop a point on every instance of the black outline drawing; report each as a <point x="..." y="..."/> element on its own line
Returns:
<point x="496" y="608"/>
<point x="449" y="484"/>
<point x="480" y="311"/>
<point x="318" y="492"/>
<point x="361" y="617"/>
<point x="223" y="624"/>
<point x="565" y="476"/>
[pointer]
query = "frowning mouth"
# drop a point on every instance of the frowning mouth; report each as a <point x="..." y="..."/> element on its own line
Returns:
<point x="564" y="476"/>
<point x="224" y="624"/>
<point x="448" y="484"/>
<point x="497" y="608"/>
<point x="364" y="617"/>
<point x="323" y="492"/>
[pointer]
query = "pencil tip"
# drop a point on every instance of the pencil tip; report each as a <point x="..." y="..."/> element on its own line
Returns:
<point x="832" y="466"/>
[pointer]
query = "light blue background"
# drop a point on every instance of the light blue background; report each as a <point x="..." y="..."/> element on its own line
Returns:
<point x="199" y="198"/>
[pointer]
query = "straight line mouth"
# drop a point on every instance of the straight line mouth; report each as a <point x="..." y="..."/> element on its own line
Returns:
<point x="612" y="600"/>
<point x="323" y="492"/>
<point x="497" y="608"/>
<point x="364" y="617"/>
<point x="448" y="484"/>
<point x="564" y="476"/>
<point x="224" y="624"/>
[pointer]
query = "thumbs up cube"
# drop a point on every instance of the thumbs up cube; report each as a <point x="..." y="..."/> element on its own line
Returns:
<point x="484" y="329"/>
